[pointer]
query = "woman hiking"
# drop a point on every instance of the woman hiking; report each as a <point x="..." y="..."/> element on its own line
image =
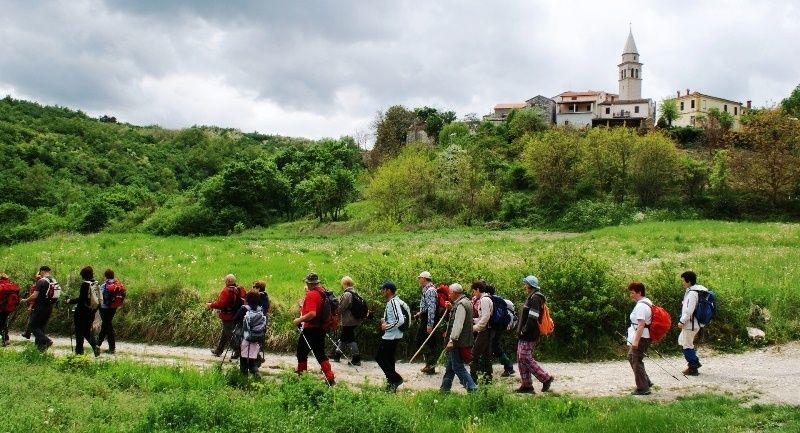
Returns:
<point x="253" y="322"/>
<point x="84" y="314"/>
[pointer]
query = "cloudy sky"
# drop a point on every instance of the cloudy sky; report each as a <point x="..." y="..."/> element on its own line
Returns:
<point x="324" y="68"/>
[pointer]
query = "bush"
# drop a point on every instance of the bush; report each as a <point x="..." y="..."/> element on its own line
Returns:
<point x="587" y="215"/>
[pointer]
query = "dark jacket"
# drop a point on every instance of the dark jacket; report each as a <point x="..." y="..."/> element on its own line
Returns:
<point x="530" y="316"/>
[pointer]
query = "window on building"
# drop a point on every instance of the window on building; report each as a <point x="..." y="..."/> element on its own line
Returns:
<point x="735" y="111"/>
<point x="681" y="105"/>
<point x="705" y="105"/>
<point x="589" y="107"/>
<point x="636" y="109"/>
<point x="574" y="98"/>
<point x="725" y="108"/>
<point x="692" y="103"/>
<point x="608" y="110"/>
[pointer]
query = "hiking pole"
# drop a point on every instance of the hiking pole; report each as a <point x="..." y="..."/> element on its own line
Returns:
<point x="313" y="354"/>
<point x="227" y="348"/>
<point x="339" y="350"/>
<point x="670" y="362"/>
<point x="651" y="359"/>
<point x="429" y="337"/>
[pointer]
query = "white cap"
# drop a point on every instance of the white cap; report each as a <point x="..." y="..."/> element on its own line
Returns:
<point x="425" y="274"/>
<point x="456" y="288"/>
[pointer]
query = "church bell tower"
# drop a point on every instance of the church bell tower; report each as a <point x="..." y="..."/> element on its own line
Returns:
<point x="630" y="72"/>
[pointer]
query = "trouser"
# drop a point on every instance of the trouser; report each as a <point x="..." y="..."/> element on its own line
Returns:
<point x="83" y="329"/>
<point x="107" y="328"/>
<point x="454" y="366"/>
<point x="314" y="337"/>
<point x="482" y="357"/>
<point x="686" y="340"/>
<point x="385" y="357"/>
<point x="347" y="340"/>
<point x="497" y="350"/>
<point x="38" y="324"/>
<point x="527" y="365"/>
<point x="225" y="336"/>
<point x="636" y="359"/>
<point x="4" y="325"/>
<point x="430" y="353"/>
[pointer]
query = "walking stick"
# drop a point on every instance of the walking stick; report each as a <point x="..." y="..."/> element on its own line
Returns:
<point x="429" y="337"/>
<point x="651" y="359"/>
<point x="71" y="347"/>
<point x="339" y="350"/>
<point x="314" y="355"/>
<point x="670" y="362"/>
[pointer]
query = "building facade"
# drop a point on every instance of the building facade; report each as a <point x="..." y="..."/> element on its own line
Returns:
<point x="694" y="106"/>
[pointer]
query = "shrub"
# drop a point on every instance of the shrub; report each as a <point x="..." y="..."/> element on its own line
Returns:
<point x="587" y="215"/>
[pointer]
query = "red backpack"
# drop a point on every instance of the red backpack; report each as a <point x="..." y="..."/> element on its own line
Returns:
<point x="442" y="296"/>
<point x="9" y="296"/>
<point x="116" y="292"/>
<point x="660" y="324"/>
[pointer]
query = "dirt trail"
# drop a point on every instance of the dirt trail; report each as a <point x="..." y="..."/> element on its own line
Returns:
<point x="769" y="375"/>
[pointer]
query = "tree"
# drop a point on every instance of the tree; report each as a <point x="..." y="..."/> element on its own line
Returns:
<point x="791" y="104"/>
<point x="391" y="129"/>
<point x="669" y="111"/>
<point x="452" y="133"/>
<point x="607" y="163"/>
<point x="526" y="121"/>
<point x="403" y="188"/>
<point x="716" y="126"/>
<point x="770" y="167"/>
<point x="656" y="168"/>
<point x="553" y="158"/>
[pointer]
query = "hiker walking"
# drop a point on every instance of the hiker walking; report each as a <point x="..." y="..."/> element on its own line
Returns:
<point x="228" y="303"/>
<point x="497" y="336"/>
<point x="393" y="324"/>
<point x="312" y="331"/>
<point x="84" y="311"/>
<point x="263" y="301"/>
<point x="351" y="314"/>
<point x="482" y="350"/>
<point x="459" y="341"/>
<point x="29" y="303"/>
<point x="528" y="334"/>
<point x="254" y="323"/>
<point x="639" y="336"/>
<point x="44" y="297"/>
<point x="428" y="315"/>
<point x="113" y="293"/>
<point x="9" y="300"/>
<point x="688" y="323"/>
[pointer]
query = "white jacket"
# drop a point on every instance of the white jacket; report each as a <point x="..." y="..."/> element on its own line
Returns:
<point x="690" y="299"/>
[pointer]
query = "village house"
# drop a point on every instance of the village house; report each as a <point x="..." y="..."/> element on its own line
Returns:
<point x="694" y="106"/>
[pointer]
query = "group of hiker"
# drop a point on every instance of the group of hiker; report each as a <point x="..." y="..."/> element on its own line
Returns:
<point x="473" y="335"/>
<point x="45" y="294"/>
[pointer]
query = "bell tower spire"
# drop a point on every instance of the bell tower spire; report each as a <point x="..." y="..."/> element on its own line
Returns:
<point x="630" y="71"/>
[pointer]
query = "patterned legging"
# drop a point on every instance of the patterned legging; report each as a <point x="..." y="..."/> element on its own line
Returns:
<point x="528" y="365"/>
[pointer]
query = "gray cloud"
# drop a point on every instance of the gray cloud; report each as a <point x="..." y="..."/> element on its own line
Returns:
<point x="324" y="68"/>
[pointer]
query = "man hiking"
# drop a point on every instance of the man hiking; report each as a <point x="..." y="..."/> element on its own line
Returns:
<point x="46" y="294"/>
<point x="349" y="322"/>
<point x="428" y="317"/>
<point x="688" y="323"/>
<point x="459" y="341"/>
<point x="84" y="313"/>
<point x="528" y="334"/>
<point x="312" y="332"/>
<point x="9" y="300"/>
<point x="394" y="318"/>
<point x="228" y="302"/>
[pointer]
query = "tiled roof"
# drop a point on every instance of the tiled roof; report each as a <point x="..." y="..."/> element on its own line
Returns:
<point x="511" y="105"/>
<point x="586" y="93"/>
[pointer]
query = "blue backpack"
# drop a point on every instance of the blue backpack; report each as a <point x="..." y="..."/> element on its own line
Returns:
<point x="500" y="317"/>
<point x="706" y="306"/>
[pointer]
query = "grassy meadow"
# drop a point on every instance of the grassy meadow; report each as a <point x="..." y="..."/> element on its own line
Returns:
<point x="78" y="394"/>
<point x="752" y="266"/>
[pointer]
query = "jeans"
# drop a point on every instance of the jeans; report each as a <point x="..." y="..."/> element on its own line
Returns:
<point x="636" y="359"/>
<point x="385" y="357"/>
<point x="107" y="328"/>
<point x="454" y="366"/>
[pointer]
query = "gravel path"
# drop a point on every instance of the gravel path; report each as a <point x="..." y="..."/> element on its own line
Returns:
<point x="768" y="375"/>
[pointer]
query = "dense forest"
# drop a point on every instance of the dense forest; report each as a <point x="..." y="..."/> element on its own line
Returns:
<point x="66" y="171"/>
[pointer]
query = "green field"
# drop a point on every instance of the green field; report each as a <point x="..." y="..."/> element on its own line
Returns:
<point x="748" y="264"/>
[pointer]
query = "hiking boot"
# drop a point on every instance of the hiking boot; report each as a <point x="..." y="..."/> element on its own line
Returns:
<point x="235" y="356"/>
<point x="213" y="352"/>
<point x="392" y="386"/>
<point x="112" y="351"/>
<point x="507" y="373"/>
<point x="96" y="351"/>
<point x="525" y="390"/>
<point x="640" y="392"/>
<point x="331" y="382"/>
<point x="546" y="384"/>
<point x="356" y="361"/>
<point x="429" y="369"/>
<point x="335" y="357"/>
<point x="691" y="371"/>
<point x="46" y="345"/>
<point x="26" y="335"/>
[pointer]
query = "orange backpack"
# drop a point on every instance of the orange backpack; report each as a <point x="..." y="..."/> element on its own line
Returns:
<point x="660" y="324"/>
<point x="546" y="324"/>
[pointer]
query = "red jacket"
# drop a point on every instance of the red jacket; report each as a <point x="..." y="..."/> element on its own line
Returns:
<point x="226" y="302"/>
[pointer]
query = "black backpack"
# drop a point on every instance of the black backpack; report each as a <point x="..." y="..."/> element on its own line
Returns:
<point x="329" y="319"/>
<point x="406" y="316"/>
<point x="500" y="317"/>
<point x="358" y="306"/>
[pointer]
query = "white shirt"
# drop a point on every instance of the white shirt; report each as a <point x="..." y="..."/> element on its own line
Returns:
<point x="641" y="311"/>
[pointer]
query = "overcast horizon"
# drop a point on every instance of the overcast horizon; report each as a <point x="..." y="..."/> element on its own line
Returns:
<point x="323" y="69"/>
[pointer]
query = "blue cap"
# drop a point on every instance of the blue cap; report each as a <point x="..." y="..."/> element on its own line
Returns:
<point x="388" y="284"/>
<point x="531" y="281"/>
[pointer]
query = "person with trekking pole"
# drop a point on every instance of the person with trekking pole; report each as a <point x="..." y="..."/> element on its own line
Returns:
<point x="529" y="335"/>
<point x="9" y="301"/>
<point x="228" y="303"/>
<point x="393" y="324"/>
<point x="688" y="323"/>
<point x="352" y="311"/>
<point x="44" y="297"/>
<point x="459" y="341"/>
<point x="639" y="337"/>
<point x="29" y="303"/>
<point x="312" y="332"/>
<point x="253" y="330"/>
<point x="84" y="311"/>
<point x="427" y="316"/>
<point x="264" y="303"/>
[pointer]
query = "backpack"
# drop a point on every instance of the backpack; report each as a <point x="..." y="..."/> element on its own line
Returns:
<point x="512" y="316"/>
<point x="329" y="317"/>
<point x="706" y="306"/>
<point x="499" y="318"/>
<point x="442" y="296"/>
<point x="95" y="297"/>
<point x="660" y="323"/>
<point x="116" y="292"/>
<point x="358" y="306"/>
<point x="9" y="296"/>
<point x="53" y="290"/>
<point x="546" y="324"/>
<point x="254" y="325"/>
<point x="237" y="302"/>
<point x="406" y="315"/>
